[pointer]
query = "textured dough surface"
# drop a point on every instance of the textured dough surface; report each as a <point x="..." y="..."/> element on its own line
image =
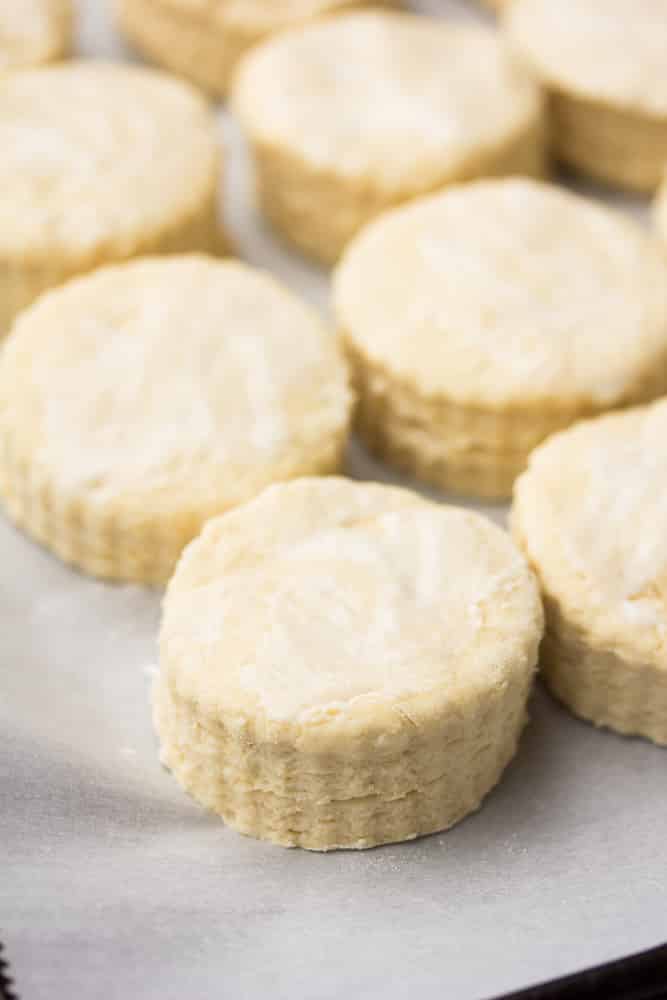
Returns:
<point x="481" y="319"/>
<point x="157" y="393"/>
<point x="502" y="293"/>
<point x="353" y="114"/>
<point x="395" y="97"/>
<point x="345" y="652"/>
<point x="99" y="163"/>
<point x="590" y="514"/>
<point x="33" y="32"/>
<point x="611" y="51"/>
<point x="204" y="40"/>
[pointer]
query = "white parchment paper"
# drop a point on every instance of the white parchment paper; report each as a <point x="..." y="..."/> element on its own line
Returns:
<point x="116" y="886"/>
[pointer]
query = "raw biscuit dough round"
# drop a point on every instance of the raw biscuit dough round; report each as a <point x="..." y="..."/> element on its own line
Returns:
<point x="353" y="115"/>
<point x="482" y="319"/>
<point x="591" y="517"/>
<point x="602" y="63"/>
<point x="345" y="664"/>
<point x="140" y="400"/>
<point x="99" y="163"/>
<point x="33" y="32"/>
<point x="203" y="40"/>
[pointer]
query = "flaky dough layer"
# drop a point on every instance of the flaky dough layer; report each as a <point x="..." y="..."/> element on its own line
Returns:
<point x="482" y="319"/>
<point x="602" y="63"/>
<point x="99" y="163"/>
<point x="139" y="401"/>
<point x="590" y="515"/>
<point x="345" y="664"/>
<point x="356" y="114"/>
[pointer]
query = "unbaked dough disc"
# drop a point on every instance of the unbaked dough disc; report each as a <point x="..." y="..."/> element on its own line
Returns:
<point x="353" y="115"/>
<point x="602" y="63"/>
<point x="482" y="319"/>
<point x="33" y="32"/>
<point x="345" y="664"/>
<point x="98" y="163"/>
<point x="140" y="400"/>
<point x="591" y="515"/>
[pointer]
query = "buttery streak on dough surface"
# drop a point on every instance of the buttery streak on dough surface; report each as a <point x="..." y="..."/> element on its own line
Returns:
<point x="99" y="162"/>
<point x="345" y="664"/>
<point x="203" y="40"/>
<point x="602" y="63"/>
<point x="482" y="319"/>
<point x="33" y="32"/>
<point x="352" y="115"/>
<point x="140" y="400"/>
<point x="591" y="515"/>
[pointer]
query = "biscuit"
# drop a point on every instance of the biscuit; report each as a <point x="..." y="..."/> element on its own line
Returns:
<point x="203" y="41"/>
<point x="33" y="32"/>
<point x="99" y="163"/>
<point x="602" y="63"/>
<point x="140" y="400"/>
<point x="353" y="115"/>
<point x="345" y="664"/>
<point x="482" y="319"/>
<point x="590" y="515"/>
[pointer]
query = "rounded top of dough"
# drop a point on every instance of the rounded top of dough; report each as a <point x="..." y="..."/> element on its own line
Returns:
<point x="172" y="386"/>
<point x="33" y="32"/>
<point x="612" y="51"/>
<point x="405" y="99"/>
<point x="590" y="514"/>
<point x="325" y="603"/>
<point x="507" y="292"/>
<point x="95" y="154"/>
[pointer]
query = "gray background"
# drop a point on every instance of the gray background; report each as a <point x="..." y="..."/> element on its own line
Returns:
<point x="116" y="885"/>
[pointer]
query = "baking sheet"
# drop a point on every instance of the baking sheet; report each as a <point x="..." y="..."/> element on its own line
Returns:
<point x="115" y="885"/>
